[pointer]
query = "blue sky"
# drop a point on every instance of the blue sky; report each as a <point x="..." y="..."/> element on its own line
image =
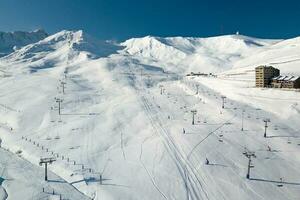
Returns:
<point x="122" y="19"/>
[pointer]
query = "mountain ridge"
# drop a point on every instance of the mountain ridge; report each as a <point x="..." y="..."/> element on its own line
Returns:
<point x="176" y="54"/>
<point x="10" y="41"/>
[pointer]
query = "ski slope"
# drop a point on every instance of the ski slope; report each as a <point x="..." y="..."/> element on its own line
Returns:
<point x="23" y="180"/>
<point x="124" y="108"/>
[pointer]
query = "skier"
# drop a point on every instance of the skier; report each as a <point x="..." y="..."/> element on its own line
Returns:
<point x="183" y="131"/>
<point x="269" y="148"/>
<point x="207" y="161"/>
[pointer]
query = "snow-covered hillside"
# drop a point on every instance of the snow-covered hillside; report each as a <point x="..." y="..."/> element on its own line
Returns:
<point x="215" y="54"/>
<point x="124" y="130"/>
<point x="14" y="40"/>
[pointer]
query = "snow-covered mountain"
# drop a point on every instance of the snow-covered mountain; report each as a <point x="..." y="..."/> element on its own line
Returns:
<point x="124" y="129"/>
<point x="175" y="54"/>
<point x="59" y="49"/>
<point x="10" y="41"/>
<point x="215" y="54"/>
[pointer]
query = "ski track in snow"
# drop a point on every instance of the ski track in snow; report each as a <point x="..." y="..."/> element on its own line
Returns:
<point x="191" y="178"/>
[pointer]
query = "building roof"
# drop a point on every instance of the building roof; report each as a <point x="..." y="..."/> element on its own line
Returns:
<point x="276" y="78"/>
<point x="286" y="78"/>
<point x="265" y="66"/>
<point x="294" y="78"/>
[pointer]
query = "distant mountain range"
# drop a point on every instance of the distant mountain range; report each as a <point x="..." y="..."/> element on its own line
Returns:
<point x="9" y="41"/>
<point x="181" y="55"/>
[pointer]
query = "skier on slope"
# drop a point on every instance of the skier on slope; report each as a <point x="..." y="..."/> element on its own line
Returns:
<point x="207" y="162"/>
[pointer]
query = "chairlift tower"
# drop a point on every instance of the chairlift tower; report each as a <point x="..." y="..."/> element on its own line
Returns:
<point x="243" y="111"/>
<point x="65" y="74"/>
<point x="197" y="86"/>
<point x="63" y="86"/>
<point x="266" y="126"/>
<point x="249" y="154"/>
<point x="194" y="112"/>
<point x="223" y="101"/>
<point x="161" y="89"/>
<point x="59" y="101"/>
<point x="46" y="161"/>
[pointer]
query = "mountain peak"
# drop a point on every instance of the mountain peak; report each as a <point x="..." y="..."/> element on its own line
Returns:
<point x="65" y="35"/>
<point x="62" y="47"/>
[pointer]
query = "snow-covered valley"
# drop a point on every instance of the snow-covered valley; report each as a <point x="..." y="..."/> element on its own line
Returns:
<point x="125" y="125"/>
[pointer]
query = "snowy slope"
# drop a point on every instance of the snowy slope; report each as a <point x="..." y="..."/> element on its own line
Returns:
<point x="284" y="55"/>
<point x="125" y="107"/>
<point x="14" y="40"/>
<point x="23" y="180"/>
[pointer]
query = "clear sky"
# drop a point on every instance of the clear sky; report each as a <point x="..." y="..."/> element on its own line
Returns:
<point x="122" y="19"/>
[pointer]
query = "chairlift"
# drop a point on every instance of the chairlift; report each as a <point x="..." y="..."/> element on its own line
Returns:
<point x="280" y="185"/>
